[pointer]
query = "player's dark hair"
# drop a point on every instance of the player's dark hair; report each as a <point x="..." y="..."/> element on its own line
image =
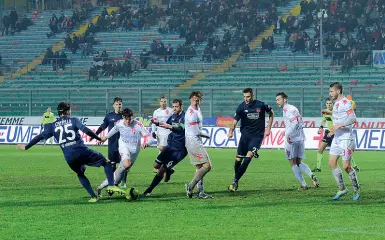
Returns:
<point x="283" y="95"/>
<point x="63" y="108"/>
<point x="248" y="90"/>
<point x="162" y="97"/>
<point x="328" y="99"/>
<point x="127" y="113"/>
<point x="118" y="99"/>
<point x="196" y="94"/>
<point x="176" y="100"/>
<point x="337" y="86"/>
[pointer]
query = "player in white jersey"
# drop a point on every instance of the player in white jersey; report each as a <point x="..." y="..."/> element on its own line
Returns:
<point x="131" y="133"/>
<point x="343" y="143"/>
<point x="162" y="114"/>
<point x="295" y="141"/>
<point x="194" y="145"/>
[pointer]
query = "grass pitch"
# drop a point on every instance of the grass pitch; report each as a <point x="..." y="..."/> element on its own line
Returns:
<point x="41" y="198"/>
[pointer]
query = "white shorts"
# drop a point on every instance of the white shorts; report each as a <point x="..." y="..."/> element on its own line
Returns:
<point x="197" y="153"/>
<point x="295" y="150"/>
<point x="343" y="148"/>
<point x="125" y="154"/>
<point x="162" y="139"/>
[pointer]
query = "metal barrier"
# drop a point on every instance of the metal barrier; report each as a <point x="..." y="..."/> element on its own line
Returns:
<point x="218" y="101"/>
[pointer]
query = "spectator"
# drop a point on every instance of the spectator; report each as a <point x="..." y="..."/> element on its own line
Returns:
<point x="169" y="53"/>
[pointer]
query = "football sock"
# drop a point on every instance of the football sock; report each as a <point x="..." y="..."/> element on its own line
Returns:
<point x="124" y="178"/>
<point x="298" y="175"/>
<point x="319" y="160"/>
<point x="305" y="168"/>
<point x="353" y="178"/>
<point x="109" y="173"/>
<point x="157" y="179"/>
<point x="242" y="169"/>
<point x="200" y="186"/>
<point x="119" y="175"/>
<point x="87" y="185"/>
<point x="237" y="164"/>
<point x="339" y="179"/>
<point x="199" y="174"/>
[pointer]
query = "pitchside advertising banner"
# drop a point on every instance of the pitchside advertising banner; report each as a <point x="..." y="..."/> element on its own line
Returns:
<point x="366" y="139"/>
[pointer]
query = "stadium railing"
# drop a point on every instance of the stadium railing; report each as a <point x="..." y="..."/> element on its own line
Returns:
<point x="217" y="101"/>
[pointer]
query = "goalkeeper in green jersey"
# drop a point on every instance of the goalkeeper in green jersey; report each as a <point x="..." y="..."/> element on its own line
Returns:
<point x="327" y="121"/>
<point x="48" y="118"/>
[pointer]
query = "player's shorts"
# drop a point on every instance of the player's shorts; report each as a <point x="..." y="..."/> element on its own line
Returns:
<point x="197" y="153"/>
<point x="88" y="157"/>
<point x="343" y="148"/>
<point x="162" y="139"/>
<point x="295" y="150"/>
<point x="248" y="144"/>
<point x="327" y="139"/>
<point x="114" y="156"/>
<point x="171" y="157"/>
<point x="126" y="153"/>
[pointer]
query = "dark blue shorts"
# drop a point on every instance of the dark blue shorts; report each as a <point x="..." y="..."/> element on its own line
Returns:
<point x="327" y="139"/>
<point x="249" y="144"/>
<point x="114" y="156"/>
<point x="89" y="158"/>
<point x="170" y="157"/>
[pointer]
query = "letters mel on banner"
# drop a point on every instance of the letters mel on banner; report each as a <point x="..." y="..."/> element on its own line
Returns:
<point x="366" y="139"/>
<point x="379" y="58"/>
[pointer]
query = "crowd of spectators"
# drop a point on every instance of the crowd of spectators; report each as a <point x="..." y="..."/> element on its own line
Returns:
<point x="351" y="30"/>
<point x="13" y="24"/>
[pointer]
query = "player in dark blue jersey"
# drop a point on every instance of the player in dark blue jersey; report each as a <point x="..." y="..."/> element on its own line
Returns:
<point x="65" y="130"/>
<point x="175" y="151"/>
<point x="251" y="113"/>
<point x="113" y="143"/>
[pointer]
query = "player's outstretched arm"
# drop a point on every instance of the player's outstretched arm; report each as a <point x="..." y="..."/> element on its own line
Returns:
<point x="101" y="128"/>
<point x="34" y="141"/>
<point x="90" y="133"/>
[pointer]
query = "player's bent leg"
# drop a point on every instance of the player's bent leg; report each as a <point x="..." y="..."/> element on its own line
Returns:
<point x="237" y="164"/>
<point x="157" y="179"/>
<point x="297" y="173"/>
<point x="337" y="173"/>
<point x="79" y="170"/>
<point x="305" y="168"/>
<point x="202" y="170"/>
<point x="352" y="176"/>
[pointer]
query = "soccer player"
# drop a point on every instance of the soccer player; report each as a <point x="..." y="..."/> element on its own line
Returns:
<point x="194" y="145"/>
<point x="175" y="151"/>
<point x="343" y="143"/>
<point x="252" y="115"/>
<point x="131" y="133"/>
<point x="295" y="140"/>
<point x="48" y="118"/>
<point x="66" y="132"/>
<point x="162" y="114"/>
<point x="109" y="122"/>
<point x="327" y="140"/>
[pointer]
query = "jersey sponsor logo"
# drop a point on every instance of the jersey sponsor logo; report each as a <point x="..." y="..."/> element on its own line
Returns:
<point x="253" y="116"/>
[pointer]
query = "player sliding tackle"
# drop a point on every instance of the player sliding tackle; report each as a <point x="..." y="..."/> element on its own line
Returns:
<point x="343" y="143"/>
<point x="131" y="132"/>
<point x="252" y="115"/>
<point x="294" y="141"/>
<point x="66" y="132"/>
